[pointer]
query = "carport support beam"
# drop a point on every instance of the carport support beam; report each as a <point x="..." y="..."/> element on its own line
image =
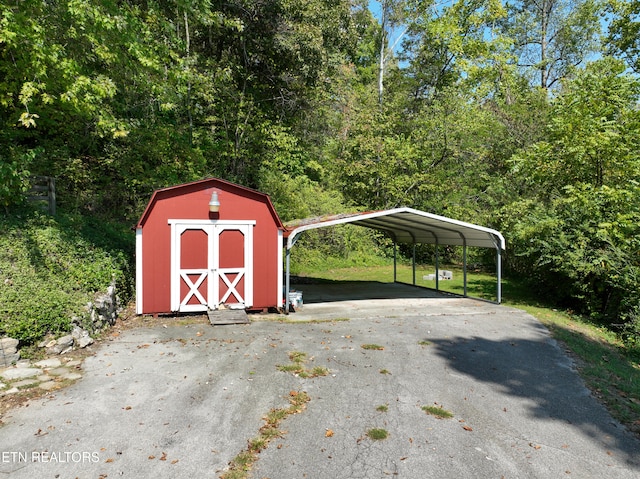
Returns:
<point x="288" y="282"/>
<point x="437" y="267"/>
<point x="464" y="264"/>
<point x="499" y="270"/>
<point x="414" y="263"/>
<point x="395" y="255"/>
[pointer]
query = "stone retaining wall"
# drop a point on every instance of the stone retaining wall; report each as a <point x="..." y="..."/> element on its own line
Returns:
<point x="102" y="312"/>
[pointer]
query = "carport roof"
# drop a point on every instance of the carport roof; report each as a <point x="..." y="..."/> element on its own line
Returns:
<point x="407" y="225"/>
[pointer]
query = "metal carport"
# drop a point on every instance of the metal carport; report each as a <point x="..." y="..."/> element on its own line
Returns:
<point x="407" y="225"/>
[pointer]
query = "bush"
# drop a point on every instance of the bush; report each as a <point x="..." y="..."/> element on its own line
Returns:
<point x="581" y="250"/>
<point x="50" y="268"/>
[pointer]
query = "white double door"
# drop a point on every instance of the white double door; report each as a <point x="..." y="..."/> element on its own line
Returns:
<point x="211" y="264"/>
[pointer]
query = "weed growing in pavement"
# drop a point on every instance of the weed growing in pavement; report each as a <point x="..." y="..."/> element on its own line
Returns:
<point x="377" y="434"/>
<point x="240" y="466"/>
<point x="375" y="347"/>
<point x="437" y="411"/>
<point x="297" y="366"/>
<point x="382" y="408"/>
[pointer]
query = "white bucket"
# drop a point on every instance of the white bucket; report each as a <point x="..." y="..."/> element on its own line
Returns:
<point x="295" y="299"/>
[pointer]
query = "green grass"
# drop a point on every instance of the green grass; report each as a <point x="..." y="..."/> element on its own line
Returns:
<point x="372" y="347"/>
<point x="437" y="411"/>
<point x="297" y="366"/>
<point x="241" y="465"/>
<point x="479" y="284"/>
<point x="377" y="434"/>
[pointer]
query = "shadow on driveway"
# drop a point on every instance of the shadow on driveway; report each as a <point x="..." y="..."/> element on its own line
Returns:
<point x="539" y="373"/>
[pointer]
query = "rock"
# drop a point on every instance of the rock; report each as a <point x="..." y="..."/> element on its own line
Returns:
<point x="48" y="363"/>
<point x="19" y="373"/>
<point x="104" y="309"/>
<point x="48" y="385"/>
<point x="61" y="346"/>
<point x="77" y="332"/>
<point x="65" y="341"/>
<point x="25" y="383"/>
<point x="9" y="344"/>
<point x="85" y="341"/>
<point x="68" y="350"/>
<point x="71" y="376"/>
<point x="9" y="353"/>
<point x="7" y="360"/>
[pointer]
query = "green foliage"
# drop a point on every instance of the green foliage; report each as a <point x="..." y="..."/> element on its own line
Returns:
<point x="14" y="175"/>
<point x="550" y="38"/>
<point x="117" y="99"/>
<point x="580" y="248"/>
<point x="624" y="31"/>
<point x="575" y="230"/>
<point x="50" y="268"/>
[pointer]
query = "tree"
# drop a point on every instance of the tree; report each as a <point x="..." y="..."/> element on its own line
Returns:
<point x="455" y="44"/>
<point x="393" y="15"/>
<point x="574" y="227"/>
<point x="593" y="135"/>
<point x="624" y="31"/>
<point x="552" y="36"/>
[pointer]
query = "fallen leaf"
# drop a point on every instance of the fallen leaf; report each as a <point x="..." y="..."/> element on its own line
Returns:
<point x="329" y="433"/>
<point x="174" y="461"/>
<point x="151" y="457"/>
<point x="126" y="408"/>
<point x="164" y="456"/>
<point x="467" y="428"/>
<point x="110" y="459"/>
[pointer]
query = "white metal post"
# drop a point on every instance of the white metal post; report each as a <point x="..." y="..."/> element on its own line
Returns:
<point x="286" y="293"/>
<point x="414" y="263"/>
<point x="464" y="264"/>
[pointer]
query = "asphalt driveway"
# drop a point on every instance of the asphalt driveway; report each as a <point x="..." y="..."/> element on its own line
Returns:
<point x="182" y="399"/>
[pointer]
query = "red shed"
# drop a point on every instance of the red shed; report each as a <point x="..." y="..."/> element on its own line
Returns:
<point x="208" y="243"/>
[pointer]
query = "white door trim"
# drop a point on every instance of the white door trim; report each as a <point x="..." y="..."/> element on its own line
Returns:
<point x="213" y="229"/>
